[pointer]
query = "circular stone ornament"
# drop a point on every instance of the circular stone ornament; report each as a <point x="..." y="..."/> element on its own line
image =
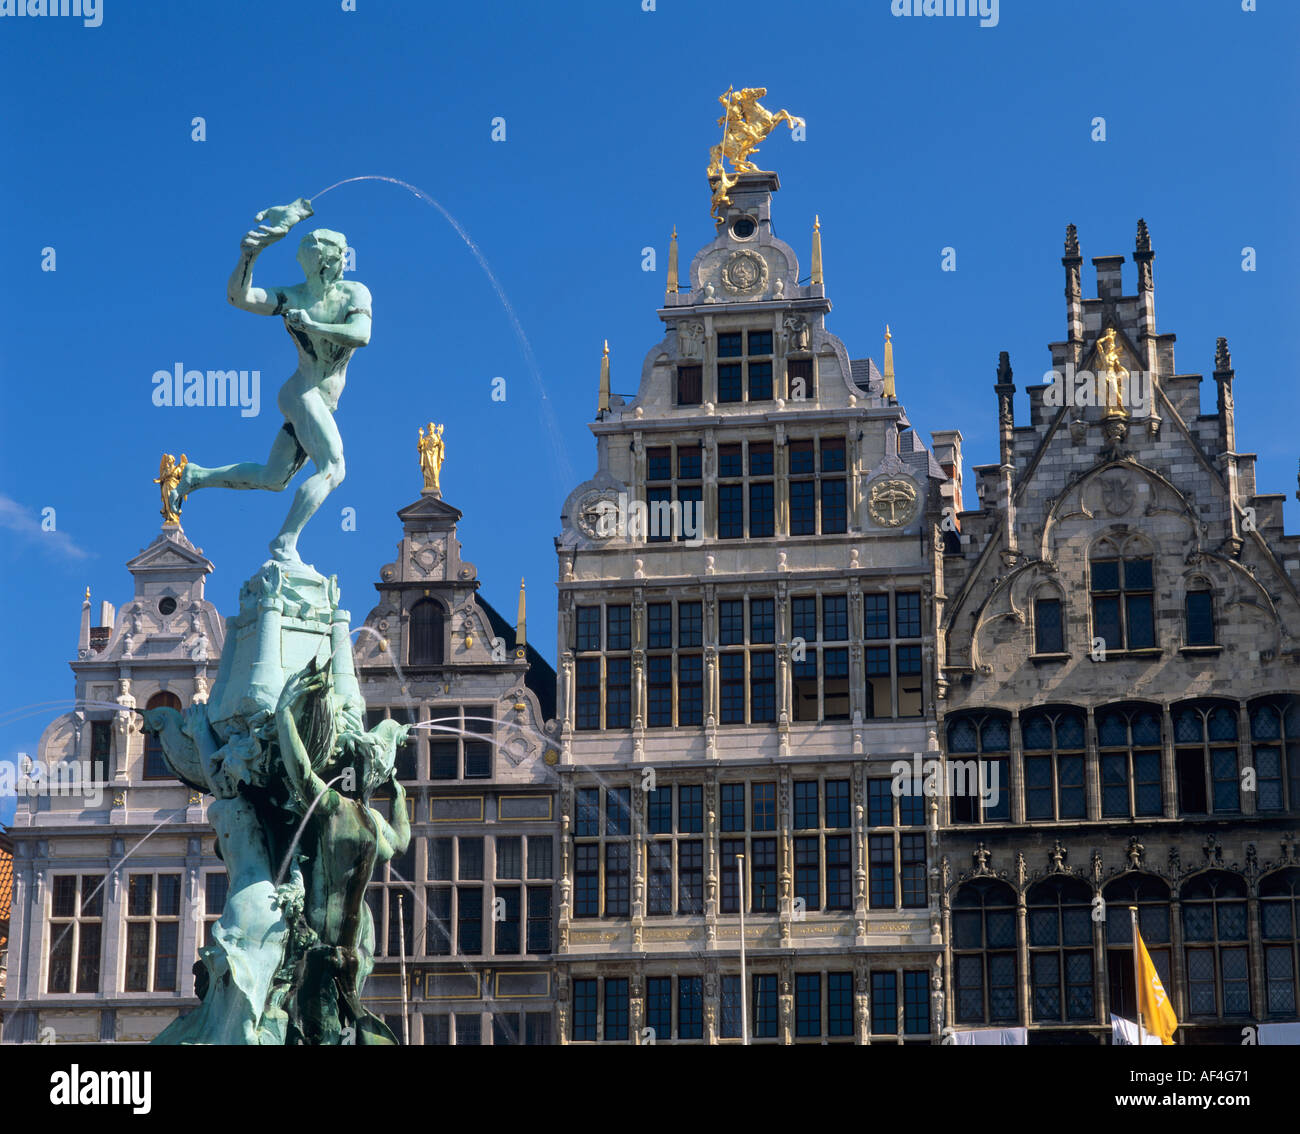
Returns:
<point x="744" y="273"/>
<point x="597" y="515"/>
<point x="892" y="502"/>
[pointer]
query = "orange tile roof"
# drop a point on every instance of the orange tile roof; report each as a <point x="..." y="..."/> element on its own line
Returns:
<point x="6" y="889"/>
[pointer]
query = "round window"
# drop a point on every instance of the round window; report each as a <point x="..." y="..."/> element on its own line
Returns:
<point x="167" y="605"/>
<point x="743" y="227"/>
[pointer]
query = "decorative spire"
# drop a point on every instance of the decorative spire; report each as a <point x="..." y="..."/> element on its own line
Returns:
<point x="889" y="364"/>
<point x="521" y="637"/>
<point x="1071" y="240"/>
<point x="1004" y="368"/>
<point x="602" y="402"/>
<point x="1222" y="356"/>
<point x="1143" y="237"/>
<point x="671" y="288"/>
<point x="87" y="599"/>
<point x="817" y="251"/>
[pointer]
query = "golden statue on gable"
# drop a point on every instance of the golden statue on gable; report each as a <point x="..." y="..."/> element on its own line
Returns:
<point x="746" y="125"/>
<point x="1113" y="384"/>
<point x="433" y="452"/>
<point x="170" y="472"/>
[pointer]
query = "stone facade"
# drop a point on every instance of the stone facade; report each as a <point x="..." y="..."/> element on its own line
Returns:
<point x="115" y="874"/>
<point x="1119" y="621"/>
<point x="478" y="881"/>
<point x="744" y="685"/>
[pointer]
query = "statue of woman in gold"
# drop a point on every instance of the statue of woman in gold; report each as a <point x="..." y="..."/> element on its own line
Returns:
<point x="1114" y="383"/>
<point x="433" y="451"/>
<point x="169" y="476"/>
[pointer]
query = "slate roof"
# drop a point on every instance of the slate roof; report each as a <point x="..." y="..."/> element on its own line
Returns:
<point x="541" y="677"/>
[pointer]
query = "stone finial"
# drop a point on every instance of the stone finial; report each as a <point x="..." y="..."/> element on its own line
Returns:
<point x="888" y="375"/>
<point x="671" y="287"/>
<point x="1143" y="237"/>
<point x="602" y="401"/>
<point x="1004" y="368"/>
<point x="521" y="633"/>
<point x="1222" y="355"/>
<point x="980" y="855"/>
<point x="816" y="277"/>
<point x="1071" y="240"/>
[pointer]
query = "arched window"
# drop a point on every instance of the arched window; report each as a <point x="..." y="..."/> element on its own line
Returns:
<point x="1128" y="739"/>
<point x="1279" y="920"/>
<point x="1049" y="621"/>
<point x="155" y="767"/>
<point x="1151" y="896"/>
<point x="1054" y="745"/>
<point x="1275" y="747"/>
<point x="426" y="633"/>
<point x="1214" y="933"/>
<point x="1205" y="739"/>
<point x="984" y="953"/>
<point x="1122" y="585"/>
<point x="1198" y="605"/>
<point x="1060" y="951"/>
<point x="985" y="738"/>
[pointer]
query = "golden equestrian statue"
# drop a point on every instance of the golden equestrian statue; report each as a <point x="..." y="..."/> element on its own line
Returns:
<point x="169" y="475"/>
<point x="746" y="125"/>
<point x="433" y="452"/>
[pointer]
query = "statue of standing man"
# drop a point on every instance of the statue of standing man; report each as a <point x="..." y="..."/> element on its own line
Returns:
<point x="328" y="317"/>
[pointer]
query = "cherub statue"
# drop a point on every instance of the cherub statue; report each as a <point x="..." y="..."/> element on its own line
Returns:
<point x="327" y="317"/>
<point x="433" y="451"/>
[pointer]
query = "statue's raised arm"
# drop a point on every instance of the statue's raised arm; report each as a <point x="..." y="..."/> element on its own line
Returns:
<point x="273" y="224"/>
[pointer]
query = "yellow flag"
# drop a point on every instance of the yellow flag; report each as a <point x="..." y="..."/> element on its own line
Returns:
<point x="1153" y="1002"/>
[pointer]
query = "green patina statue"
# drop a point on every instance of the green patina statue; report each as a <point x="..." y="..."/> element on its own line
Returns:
<point x="280" y="743"/>
<point x="328" y="317"/>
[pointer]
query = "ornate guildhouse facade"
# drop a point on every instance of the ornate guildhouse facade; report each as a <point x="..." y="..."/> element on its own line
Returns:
<point x="115" y="876"/>
<point x="469" y="909"/>
<point x="1118" y="624"/>
<point x="733" y="693"/>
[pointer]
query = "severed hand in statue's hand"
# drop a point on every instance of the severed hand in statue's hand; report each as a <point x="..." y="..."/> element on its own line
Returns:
<point x="275" y="223"/>
<point x="299" y="687"/>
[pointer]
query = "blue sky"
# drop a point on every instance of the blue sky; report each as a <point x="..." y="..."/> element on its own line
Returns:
<point x="922" y="133"/>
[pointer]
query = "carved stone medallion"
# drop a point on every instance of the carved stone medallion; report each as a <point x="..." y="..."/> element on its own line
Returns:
<point x="892" y="503"/>
<point x="596" y="514"/>
<point x="425" y="558"/>
<point x="744" y="273"/>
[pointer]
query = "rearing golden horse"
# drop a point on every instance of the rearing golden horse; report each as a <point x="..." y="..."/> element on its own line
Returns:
<point x="746" y="123"/>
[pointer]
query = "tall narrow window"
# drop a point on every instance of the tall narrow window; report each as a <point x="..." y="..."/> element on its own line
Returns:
<point x="1275" y="747"/>
<point x="427" y="628"/>
<point x="75" y="933"/>
<point x="1123" y="597"/>
<point x="1279" y="915"/>
<point x="1205" y="753"/>
<point x="1214" y="936"/>
<point x="1061" y="951"/>
<point x="688" y="385"/>
<point x="1200" y="615"/>
<point x="155" y="766"/>
<point x="987" y="740"/>
<point x="1049" y="634"/>
<point x="1054" y="757"/>
<point x="984" y="953"/>
<point x="152" y="932"/>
